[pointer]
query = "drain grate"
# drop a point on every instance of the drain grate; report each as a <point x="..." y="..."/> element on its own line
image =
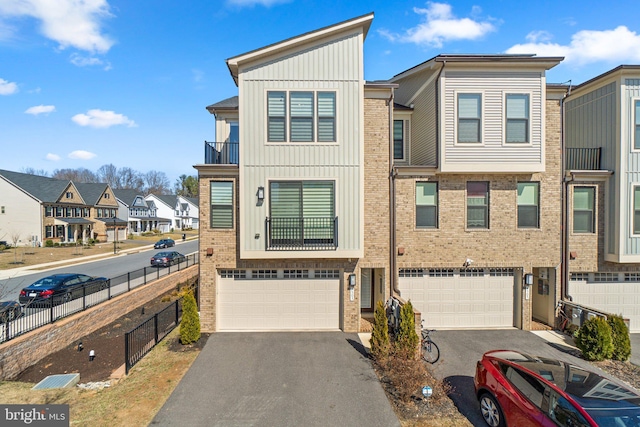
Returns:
<point x="58" y="381"/>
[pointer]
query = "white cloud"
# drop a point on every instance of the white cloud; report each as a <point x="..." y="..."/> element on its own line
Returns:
<point x="81" y="155"/>
<point x="102" y="119"/>
<point x="619" y="45"/>
<point x="266" y="3"/>
<point x="40" y="109"/>
<point x="71" y="23"/>
<point x="7" y="88"/>
<point x="440" y="25"/>
<point x="52" y="157"/>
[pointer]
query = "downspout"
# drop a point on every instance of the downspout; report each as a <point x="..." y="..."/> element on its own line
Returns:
<point x="437" y="101"/>
<point x="566" y="180"/>
<point x="392" y="205"/>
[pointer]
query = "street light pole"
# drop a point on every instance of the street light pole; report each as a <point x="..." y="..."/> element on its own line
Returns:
<point x="115" y="235"/>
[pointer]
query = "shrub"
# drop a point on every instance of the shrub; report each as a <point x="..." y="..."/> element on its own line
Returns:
<point x="620" y="337"/>
<point x="406" y="343"/>
<point x="594" y="339"/>
<point x="380" y="335"/>
<point x="190" y="323"/>
<point x="48" y="243"/>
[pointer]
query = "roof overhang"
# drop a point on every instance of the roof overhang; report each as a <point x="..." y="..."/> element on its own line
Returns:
<point x="72" y="221"/>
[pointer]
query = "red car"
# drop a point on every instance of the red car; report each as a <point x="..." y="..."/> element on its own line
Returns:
<point x="516" y="389"/>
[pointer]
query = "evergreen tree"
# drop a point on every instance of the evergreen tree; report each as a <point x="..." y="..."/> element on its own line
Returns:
<point x="190" y="323"/>
<point x="380" y="335"/>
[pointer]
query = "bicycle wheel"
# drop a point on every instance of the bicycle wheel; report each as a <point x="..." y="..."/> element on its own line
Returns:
<point x="430" y="351"/>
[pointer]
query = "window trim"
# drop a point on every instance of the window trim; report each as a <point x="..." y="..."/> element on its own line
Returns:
<point x="528" y="119"/>
<point x="593" y="228"/>
<point x="225" y="206"/>
<point x="486" y="205"/>
<point x="480" y="118"/>
<point x="537" y="205"/>
<point x="635" y="210"/>
<point x="402" y="141"/>
<point x="315" y="116"/>
<point x="436" y="206"/>
<point x="636" y="124"/>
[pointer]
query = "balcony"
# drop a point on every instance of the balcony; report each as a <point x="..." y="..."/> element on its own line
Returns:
<point x="221" y="153"/>
<point x="584" y="159"/>
<point x="302" y="234"/>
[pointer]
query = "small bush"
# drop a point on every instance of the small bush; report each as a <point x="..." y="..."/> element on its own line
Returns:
<point x="190" y="323"/>
<point x="48" y="243"/>
<point x="380" y="344"/>
<point x="406" y="343"/>
<point x="620" y="337"/>
<point x="594" y="339"/>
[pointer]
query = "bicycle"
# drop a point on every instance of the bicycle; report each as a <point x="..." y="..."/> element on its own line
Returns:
<point x="430" y="350"/>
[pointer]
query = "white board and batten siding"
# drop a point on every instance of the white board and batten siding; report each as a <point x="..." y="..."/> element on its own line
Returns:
<point x="282" y="304"/>
<point x="610" y="297"/>
<point x="456" y="302"/>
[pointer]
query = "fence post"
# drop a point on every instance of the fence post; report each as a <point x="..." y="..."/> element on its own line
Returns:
<point x="109" y="289"/>
<point x="177" y="316"/>
<point x="127" y="363"/>
<point x="84" y="297"/>
<point x="155" y="328"/>
<point x="128" y="281"/>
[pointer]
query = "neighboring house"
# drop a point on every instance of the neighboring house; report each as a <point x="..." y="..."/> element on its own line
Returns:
<point x="188" y="212"/>
<point x="292" y="213"/>
<point x="140" y="214"/>
<point x="34" y="209"/>
<point x="602" y="179"/>
<point x="165" y="211"/>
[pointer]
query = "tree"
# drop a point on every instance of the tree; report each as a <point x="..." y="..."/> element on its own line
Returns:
<point x="130" y="179"/>
<point x="15" y="238"/>
<point x="108" y="174"/>
<point x="156" y="182"/>
<point x="380" y="335"/>
<point x="406" y="344"/>
<point x="32" y="171"/>
<point x="190" y="323"/>
<point x="75" y="175"/>
<point x="186" y="186"/>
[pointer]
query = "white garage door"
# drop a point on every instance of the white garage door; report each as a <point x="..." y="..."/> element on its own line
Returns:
<point x="278" y="304"/>
<point x="448" y="300"/>
<point x="610" y="297"/>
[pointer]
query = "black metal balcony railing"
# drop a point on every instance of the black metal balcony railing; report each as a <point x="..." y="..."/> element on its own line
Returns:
<point x="584" y="159"/>
<point x="302" y="234"/>
<point x="221" y="153"/>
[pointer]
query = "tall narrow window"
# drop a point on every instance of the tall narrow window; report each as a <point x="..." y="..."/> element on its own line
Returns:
<point x="276" y="111"/>
<point x="326" y="116"/>
<point x="517" y="129"/>
<point x="427" y="204"/>
<point x="398" y="139"/>
<point x="636" y="143"/>
<point x="221" y="204"/>
<point x="469" y="117"/>
<point x="528" y="205"/>
<point x="301" y="107"/>
<point x="583" y="209"/>
<point x="477" y="204"/>
<point x="636" y="210"/>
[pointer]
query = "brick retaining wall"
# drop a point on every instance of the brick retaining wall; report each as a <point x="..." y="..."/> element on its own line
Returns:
<point x="24" y="351"/>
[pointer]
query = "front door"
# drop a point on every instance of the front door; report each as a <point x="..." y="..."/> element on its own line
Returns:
<point x="366" y="289"/>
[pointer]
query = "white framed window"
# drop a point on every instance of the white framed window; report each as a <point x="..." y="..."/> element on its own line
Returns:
<point x="69" y="195"/>
<point x="477" y="204"/>
<point x="221" y="204"/>
<point x="398" y="139"/>
<point x="636" y="126"/>
<point x="636" y="210"/>
<point x="517" y="118"/>
<point x="528" y="205"/>
<point x="426" y="204"/>
<point x="584" y="209"/>
<point x="469" y="118"/>
<point x="301" y="116"/>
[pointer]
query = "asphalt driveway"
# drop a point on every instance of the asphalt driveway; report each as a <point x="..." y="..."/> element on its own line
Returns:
<point x="459" y="351"/>
<point x="279" y="379"/>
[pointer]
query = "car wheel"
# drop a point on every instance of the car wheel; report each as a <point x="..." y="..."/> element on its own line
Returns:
<point x="491" y="412"/>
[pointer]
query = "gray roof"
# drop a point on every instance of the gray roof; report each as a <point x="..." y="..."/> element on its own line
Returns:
<point x="127" y="195"/>
<point x="226" y="104"/>
<point x="42" y="188"/>
<point x="169" y="199"/>
<point x="91" y="192"/>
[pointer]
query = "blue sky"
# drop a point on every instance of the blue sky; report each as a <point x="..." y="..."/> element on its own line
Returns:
<point x="85" y="83"/>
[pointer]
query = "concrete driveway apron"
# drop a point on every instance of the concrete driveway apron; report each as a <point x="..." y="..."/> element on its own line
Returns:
<point x="279" y="379"/>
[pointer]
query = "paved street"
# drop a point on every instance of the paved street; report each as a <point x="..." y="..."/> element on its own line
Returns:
<point x="279" y="379"/>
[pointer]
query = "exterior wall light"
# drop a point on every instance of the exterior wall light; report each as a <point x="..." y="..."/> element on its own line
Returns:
<point x="260" y="194"/>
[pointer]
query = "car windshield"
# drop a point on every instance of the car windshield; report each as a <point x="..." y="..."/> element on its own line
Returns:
<point x="46" y="282"/>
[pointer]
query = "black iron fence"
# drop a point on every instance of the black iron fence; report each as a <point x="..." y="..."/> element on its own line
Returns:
<point x="308" y="233"/>
<point x="38" y="314"/>
<point x="221" y="153"/>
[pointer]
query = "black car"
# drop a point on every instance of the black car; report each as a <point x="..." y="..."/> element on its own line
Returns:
<point x="166" y="259"/>
<point x="60" y="288"/>
<point x="164" y="243"/>
<point x="9" y="310"/>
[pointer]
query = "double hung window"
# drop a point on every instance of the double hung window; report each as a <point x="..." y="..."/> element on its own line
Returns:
<point x="427" y="205"/>
<point x="301" y="116"/>
<point x="636" y="210"/>
<point x="221" y="204"/>
<point x="469" y="117"/>
<point x="583" y="209"/>
<point x="398" y="139"/>
<point x="528" y="205"/>
<point x="477" y="204"/>
<point x="517" y="127"/>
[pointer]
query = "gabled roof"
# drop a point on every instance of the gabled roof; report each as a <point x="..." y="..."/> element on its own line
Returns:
<point x="363" y="21"/>
<point x="127" y="195"/>
<point x="168" y="199"/>
<point x="91" y="192"/>
<point x="41" y="188"/>
<point x="229" y="104"/>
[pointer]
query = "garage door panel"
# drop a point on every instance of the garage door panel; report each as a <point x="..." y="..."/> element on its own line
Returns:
<point x="287" y="304"/>
<point x="610" y="297"/>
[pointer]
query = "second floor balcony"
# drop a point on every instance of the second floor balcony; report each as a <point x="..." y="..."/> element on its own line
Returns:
<point x="221" y="153"/>
<point x="584" y="159"/>
<point x="302" y="234"/>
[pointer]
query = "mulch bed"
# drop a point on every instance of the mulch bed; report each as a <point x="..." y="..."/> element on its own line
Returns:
<point x="107" y="343"/>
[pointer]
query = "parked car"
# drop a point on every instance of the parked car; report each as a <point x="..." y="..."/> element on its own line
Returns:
<point x="166" y="259"/>
<point x="9" y="310"/>
<point x="164" y="243"/>
<point x="517" y="389"/>
<point x="60" y="288"/>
